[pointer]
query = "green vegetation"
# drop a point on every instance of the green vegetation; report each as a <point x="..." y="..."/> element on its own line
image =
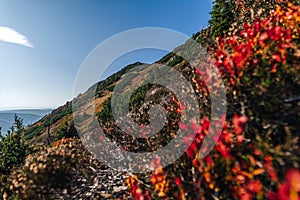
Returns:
<point x="66" y="130"/>
<point x="222" y="17"/>
<point x="136" y="100"/>
<point x="13" y="149"/>
<point x="48" y="120"/>
<point x="102" y="85"/>
<point x="105" y="114"/>
<point x="166" y="58"/>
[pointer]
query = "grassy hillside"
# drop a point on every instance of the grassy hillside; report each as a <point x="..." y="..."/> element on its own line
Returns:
<point x="38" y="132"/>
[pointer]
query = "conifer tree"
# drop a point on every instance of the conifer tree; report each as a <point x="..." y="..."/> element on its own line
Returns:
<point x="13" y="148"/>
<point x="222" y="17"/>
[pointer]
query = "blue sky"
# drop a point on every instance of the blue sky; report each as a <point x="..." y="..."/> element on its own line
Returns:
<point x="43" y="43"/>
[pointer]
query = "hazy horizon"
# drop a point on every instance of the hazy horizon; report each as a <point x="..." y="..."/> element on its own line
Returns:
<point x="25" y="108"/>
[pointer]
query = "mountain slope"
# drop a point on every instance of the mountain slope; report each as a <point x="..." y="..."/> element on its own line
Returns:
<point x="38" y="132"/>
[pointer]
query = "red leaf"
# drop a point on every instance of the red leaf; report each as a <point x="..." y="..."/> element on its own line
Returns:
<point x="276" y="57"/>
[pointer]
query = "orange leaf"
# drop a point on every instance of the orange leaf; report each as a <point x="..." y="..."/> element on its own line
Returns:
<point x="258" y="171"/>
<point x="207" y="177"/>
<point x="246" y="174"/>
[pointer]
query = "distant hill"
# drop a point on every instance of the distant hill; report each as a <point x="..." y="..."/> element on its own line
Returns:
<point x="29" y="116"/>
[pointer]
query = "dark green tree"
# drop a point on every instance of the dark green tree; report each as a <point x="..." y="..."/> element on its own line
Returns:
<point x="18" y="125"/>
<point x="66" y="130"/>
<point x="222" y="17"/>
<point x="13" y="148"/>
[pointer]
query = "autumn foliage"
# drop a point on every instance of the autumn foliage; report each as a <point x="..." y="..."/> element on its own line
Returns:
<point x="257" y="153"/>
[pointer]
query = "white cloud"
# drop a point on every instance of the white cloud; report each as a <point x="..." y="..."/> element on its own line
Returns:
<point x="10" y="35"/>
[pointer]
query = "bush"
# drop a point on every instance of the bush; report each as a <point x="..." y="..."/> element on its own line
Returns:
<point x="259" y="141"/>
<point x="47" y="170"/>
